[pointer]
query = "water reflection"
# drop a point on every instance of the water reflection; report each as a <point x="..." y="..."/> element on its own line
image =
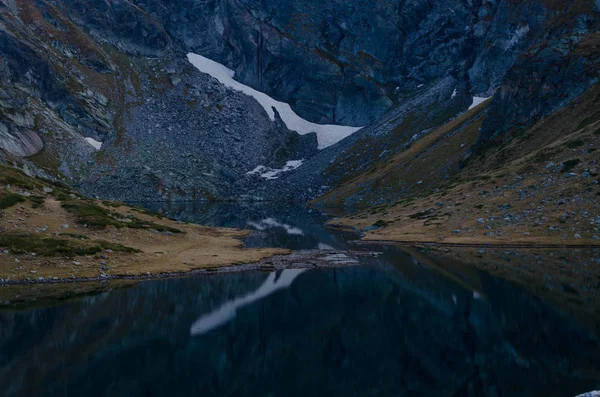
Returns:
<point x="269" y="223"/>
<point x="293" y="227"/>
<point x="393" y="327"/>
<point x="405" y="323"/>
<point x="227" y="312"/>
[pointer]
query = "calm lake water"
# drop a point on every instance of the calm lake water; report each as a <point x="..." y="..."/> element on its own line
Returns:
<point x="393" y="326"/>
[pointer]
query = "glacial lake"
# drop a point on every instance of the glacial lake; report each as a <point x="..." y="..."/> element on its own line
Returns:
<point x="399" y="324"/>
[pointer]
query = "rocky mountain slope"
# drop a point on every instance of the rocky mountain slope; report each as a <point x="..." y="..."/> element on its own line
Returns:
<point x="167" y="131"/>
<point x="560" y="67"/>
<point x="539" y="187"/>
<point x="116" y="72"/>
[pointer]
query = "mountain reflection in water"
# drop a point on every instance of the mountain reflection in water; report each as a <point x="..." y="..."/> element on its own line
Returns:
<point x="392" y="327"/>
<point x="402" y="324"/>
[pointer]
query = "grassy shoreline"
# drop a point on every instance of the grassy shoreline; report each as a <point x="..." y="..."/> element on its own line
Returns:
<point x="49" y="234"/>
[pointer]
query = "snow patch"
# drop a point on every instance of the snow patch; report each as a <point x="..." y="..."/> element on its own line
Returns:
<point x="274" y="223"/>
<point x="454" y="94"/>
<point x="271" y="173"/>
<point x="96" y="144"/>
<point x="478" y="101"/>
<point x="327" y="134"/>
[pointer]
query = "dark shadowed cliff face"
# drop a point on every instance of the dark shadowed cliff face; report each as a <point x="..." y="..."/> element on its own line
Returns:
<point x="115" y="71"/>
<point x="349" y="61"/>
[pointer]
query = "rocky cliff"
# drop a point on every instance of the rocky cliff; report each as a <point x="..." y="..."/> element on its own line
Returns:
<point x="115" y="71"/>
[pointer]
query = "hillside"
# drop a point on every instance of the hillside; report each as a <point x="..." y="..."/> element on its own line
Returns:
<point x="539" y="185"/>
<point x="49" y="233"/>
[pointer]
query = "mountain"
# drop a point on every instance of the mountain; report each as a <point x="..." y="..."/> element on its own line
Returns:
<point x="76" y="73"/>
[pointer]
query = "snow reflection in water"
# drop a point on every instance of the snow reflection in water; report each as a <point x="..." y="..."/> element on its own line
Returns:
<point x="228" y="311"/>
<point x="274" y="223"/>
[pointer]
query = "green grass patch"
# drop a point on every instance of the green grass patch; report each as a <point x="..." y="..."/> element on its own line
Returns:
<point x="9" y="199"/>
<point x="570" y="164"/>
<point x="14" y="177"/>
<point x="113" y="204"/>
<point x="575" y="143"/>
<point x="56" y="184"/>
<point x="37" y="201"/>
<point x="148" y="212"/>
<point x="381" y="223"/>
<point x="157" y="227"/>
<point x="544" y="155"/>
<point x="107" y="245"/>
<point x="422" y="214"/>
<point x="75" y="236"/>
<point x="92" y="215"/>
<point x="589" y="120"/>
<point x="46" y="246"/>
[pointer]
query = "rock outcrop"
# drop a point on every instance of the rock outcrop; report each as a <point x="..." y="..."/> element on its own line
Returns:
<point x="115" y="72"/>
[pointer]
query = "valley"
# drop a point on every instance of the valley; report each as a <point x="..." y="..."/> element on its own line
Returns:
<point x="283" y="197"/>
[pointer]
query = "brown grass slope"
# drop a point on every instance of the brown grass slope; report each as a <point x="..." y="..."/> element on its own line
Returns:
<point x="49" y="233"/>
<point x="539" y="186"/>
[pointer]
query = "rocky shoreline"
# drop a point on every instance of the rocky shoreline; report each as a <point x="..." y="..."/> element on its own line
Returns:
<point x="301" y="259"/>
